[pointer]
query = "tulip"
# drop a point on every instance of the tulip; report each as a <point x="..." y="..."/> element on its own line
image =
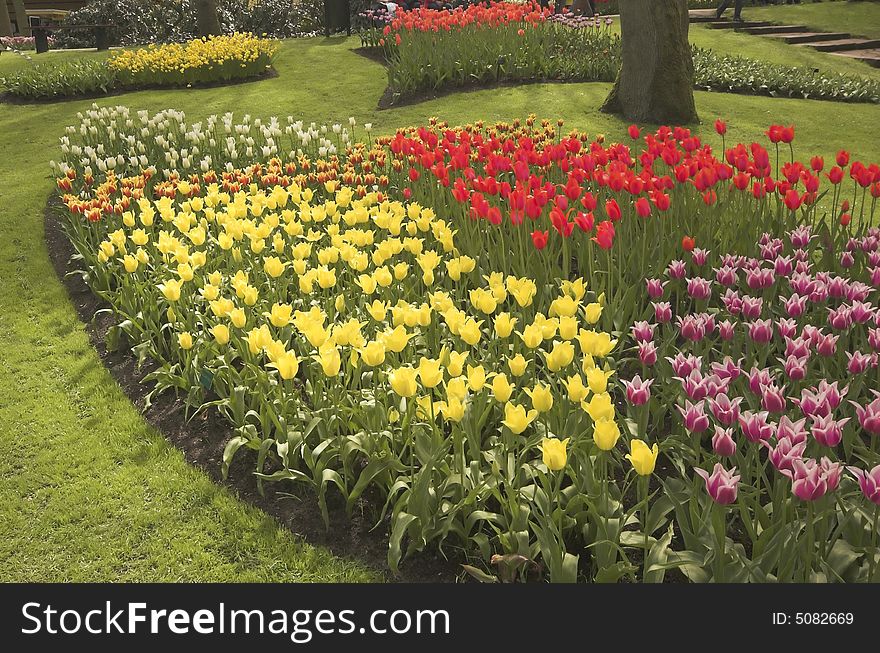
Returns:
<point x="560" y="357"/>
<point x="761" y="331"/>
<point x="599" y="407"/>
<point x="725" y="410"/>
<point x="759" y="378"/>
<point x="795" y="305"/>
<point x="643" y="331"/>
<point x="403" y="381"/>
<point x="721" y="484"/>
<point x="553" y="453"/>
<point x="501" y="388"/>
<point x="752" y="307"/>
<point x="606" y="433"/>
<point x="827" y="345"/>
<point x="827" y="431"/>
<point x="373" y="353"/>
<point x="699" y="288"/>
<point x="677" y="269"/>
<point x="773" y="398"/>
<point x="542" y="398"/>
<point x="577" y="391"/>
<point x="638" y="392"/>
<point x="695" y="420"/>
<point x="642" y="457"/>
<point x="723" y="443"/>
<point x="655" y="287"/>
<point x="517" y="419"/>
<point x="286" y="364"/>
<point x="869" y="415"/>
<point x="812" y="480"/>
<point x="185" y="340"/>
<point x="869" y="482"/>
<point x="220" y="333"/>
<point x="648" y="353"/>
<point x="726" y="330"/>
<point x="662" y="313"/>
<point x="755" y="426"/>
<point x="517" y="365"/>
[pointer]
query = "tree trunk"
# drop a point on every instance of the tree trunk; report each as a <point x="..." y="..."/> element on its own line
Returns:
<point x="24" y="27"/>
<point x="207" y="18"/>
<point x="656" y="81"/>
<point x="5" y="23"/>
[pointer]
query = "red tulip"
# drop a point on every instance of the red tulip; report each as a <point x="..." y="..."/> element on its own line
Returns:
<point x="835" y="175"/>
<point x="774" y="133"/>
<point x="612" y="209"/>
<point x="688" y="244"/>
<point x="792" y="200"/>
<point x="643" y="207"/>
<point x="584" y="221"/>
<point x="604" y="235"/>
<point x="721" y="127"/>
<point x="845" y="219"/>
<point x="539" y="239"/>
<point x="843" y="158"/>
<point x="634" y="132"/>
<point x="787" y="134"/>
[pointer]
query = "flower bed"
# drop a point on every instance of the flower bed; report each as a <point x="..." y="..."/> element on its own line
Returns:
<point x="203" y="61"/>
<point x="427" y="50"/>
<point x="439" y="319"/>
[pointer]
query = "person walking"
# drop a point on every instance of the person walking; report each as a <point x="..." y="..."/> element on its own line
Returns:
<point x="737" y="8"/>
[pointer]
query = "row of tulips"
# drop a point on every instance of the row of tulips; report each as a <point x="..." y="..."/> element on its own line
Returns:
<point x="365" y="321"/>
<point x="772" y="364"/>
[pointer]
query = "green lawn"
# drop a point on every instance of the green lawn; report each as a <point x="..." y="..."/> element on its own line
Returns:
<point x="88" y="491"/>
<point x="860" y="18"/>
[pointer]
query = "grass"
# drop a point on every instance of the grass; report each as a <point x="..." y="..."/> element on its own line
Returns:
<point x="88" y="491"/>
<point x="856" y="18"/>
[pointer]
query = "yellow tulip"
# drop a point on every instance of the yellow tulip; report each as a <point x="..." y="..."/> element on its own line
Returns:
<point x="504" y="325"/>
<point x="455" y="366"/>
<point x="403" y="381"/>
<point x="532" y="336"/>
<point x="470" y="331"/>
<point x="453" y="409"/>
<point x="599" y="407"/>
<point x="280" y="315"/>
<point x="568" y="328"/>
<point x="501" y="388"/>
<point x="553" y="453"/>
<point x="577" y="391"/>
<point x="606" y="433"/>
<point x="592" y="312"/>
<point x="396" y="339"/>
<point x="373" y="354"/>
<point x="171" y="290"/>
<point x="238" y="318"/>
<point x="130" y="263"/>
<point x="221" y="333"/>
<point x="598" y="380"/>
<point x="457" y="388"/>
<point x="561" y="356"/>
<point x="476" y="377"/>
<point x="286" y="364"/>
<point x="517" y="365"/>
<point x="185" y="340"/>
<point x="642" y="457"/>
<point x="564" y="306"/>
<point x="542" y="398"/>
<point x="329" y="359"/>
<point x="378" y="310"/>
<point x="430" y="372"/>
<point x="516" y="418"/>
<point x="273" y="266"/>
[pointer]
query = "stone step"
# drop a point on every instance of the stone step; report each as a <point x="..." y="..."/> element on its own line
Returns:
<point x="705" y="18"/>
<point x="773" y="29"/>
<point x="732" y="24"/>
<point x="809" y="37"/>
<point x="841" y="45"/>
<point x="870" y="57"/>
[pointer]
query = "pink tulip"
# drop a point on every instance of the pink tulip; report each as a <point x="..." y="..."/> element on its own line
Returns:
<point x="699" y="288"/>
<point x="836" y="286"/>
<point x="793" y="431"/>
<point x="869" y="415"/>
<point x="662" y="312"/>
<point x="827" y="345"/>
<point x="795" y="305"/>
<point x="676" y="269"/>
<point x="800" y="237"/>
<point x="727" y="368"/>
<point x="862" y="312"/>
<point x="773" y="398"/>
<point x="723" y="443"/>
<point x="725" y="410"/>
<point x="813" y="403"/>
<point x="783" y="266"/>
<point x="648" y="353"/>
<point x="700" y="256"/>
<point x="858" y="363"/>
<point x="732" y="301"/>
<point x="874" y="338"/>
<point x="638" y="392"/>
<point x="721" y="484"/>
<point x="726" y="330"/>
<point x="726" y="276"/>
<point x="655" y="287"/>
<point x="802" y="284"/>
<point x="761" y="331"/>
<point x="643" y="331"/>
<point x="799" y="347"/>
<point x="692" y="328"/>
<point x="760" y="279"/>
<point x="869" y="482"/>
<point x="812" y="480"/>
<point x="755" y="426"/>
<point x="786" y="327"/>
<point x="840" y="318"/>
<point x="695" y="420"/>
<point x="752" y="307"/>
<point x="847" y="260"/>
<point x="832" y="396"/>
<point x="795" y="368"/>
<point x="819" y="294"/>
<point x="827" y="431"/>
<point x="683" y="365"/>
<point x="758" y="378"/>
<point x="785" y="453"/>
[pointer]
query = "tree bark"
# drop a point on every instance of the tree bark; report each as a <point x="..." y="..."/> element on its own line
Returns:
<point x="207" y="18"/>
<point x="5" y="23"/>
<point x="656" y="79"/>
<point x="24" y="27"/>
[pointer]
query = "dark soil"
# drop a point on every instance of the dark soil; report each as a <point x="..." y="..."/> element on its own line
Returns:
<point x="10" y="98"/>
<point x="201" y="440"/>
